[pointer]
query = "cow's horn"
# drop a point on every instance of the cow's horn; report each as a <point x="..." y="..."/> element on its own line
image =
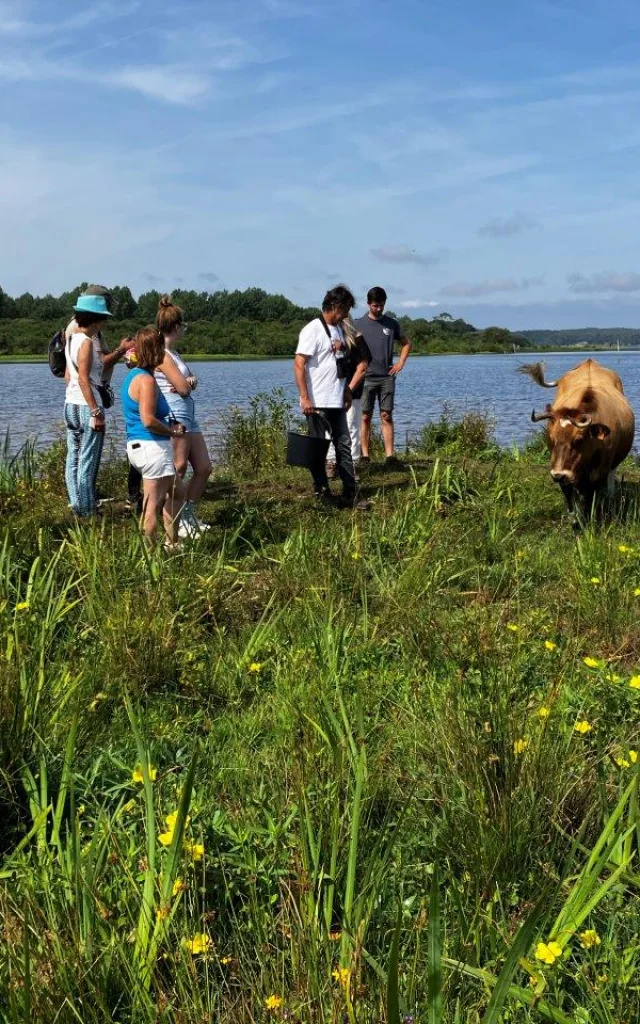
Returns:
<point x="584" y="421"/>
<point x="537" y="417"/>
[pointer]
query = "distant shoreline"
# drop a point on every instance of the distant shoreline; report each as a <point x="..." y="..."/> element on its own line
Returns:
<point x="204" y="357"/>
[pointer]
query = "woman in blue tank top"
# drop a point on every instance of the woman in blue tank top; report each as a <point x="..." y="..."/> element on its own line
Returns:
<point x="149" y="438"/>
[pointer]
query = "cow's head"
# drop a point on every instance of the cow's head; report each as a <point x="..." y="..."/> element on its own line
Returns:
<point x="574" y="441"/>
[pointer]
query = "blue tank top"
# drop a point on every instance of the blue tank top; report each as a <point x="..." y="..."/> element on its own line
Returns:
<point x="136" y="430"/>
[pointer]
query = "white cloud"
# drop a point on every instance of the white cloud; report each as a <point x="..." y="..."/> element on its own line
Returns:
<point x="605" y="281"/>
<point x="417" y="303"/>
<point x="468" y="289"/>
<point x="173" y="85"/>
<point x="505" y="227"/>
<point x="403" y="254"/>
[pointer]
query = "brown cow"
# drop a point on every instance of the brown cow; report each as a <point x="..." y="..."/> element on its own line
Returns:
<point x="590" y="428"/>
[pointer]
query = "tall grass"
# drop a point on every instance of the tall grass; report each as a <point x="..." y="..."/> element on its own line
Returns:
<point x="321" y="767"/>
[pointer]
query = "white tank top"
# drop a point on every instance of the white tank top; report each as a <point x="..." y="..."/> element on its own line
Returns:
<point x="165" y="387"/>
<point x="74" y="395"/>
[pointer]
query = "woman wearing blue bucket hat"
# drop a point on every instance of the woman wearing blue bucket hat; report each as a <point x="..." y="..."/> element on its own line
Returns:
<point x="83" y="410"/>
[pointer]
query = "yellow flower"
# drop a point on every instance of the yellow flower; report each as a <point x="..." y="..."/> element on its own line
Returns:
<point x="256" y="666"/>
<point x="273" y="1002"/>
<point x="521" y="554"/>
<point x="549" y="644"/>
<point x="593" y="662"/>
<point x="633" y="756"/>
<point x="335" y="936"/>
<point x="613" y="678"/>
<point x="22" y="607"/>
<point x="137" y="776"/>
<point x="583" y="727"/>
<point x="548" y="952"/>
<point x="342" y="974"/>
<point x="595" y="580"/>
<point x="200" y="943"/>
<point x="178" y="886"/>
<point x="624" y="549"/>
<point x="634" y="682"/>
<point x="355" y="556"/>
<point x="226" y="960"/>
<point x="513" y="627"/>
<point x="543" y="712"/>
<point x="162" y="913"/>
<point x="165" y="838"/>
<point x="621" y="763"/>
<point x="196" y="850"/>
<point x="520" y="746"/>
<point x="589" y="938"/>
<point x="636" y="592"/>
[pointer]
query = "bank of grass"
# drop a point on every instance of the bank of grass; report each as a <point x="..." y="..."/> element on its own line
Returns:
<point x="321" y="766"/>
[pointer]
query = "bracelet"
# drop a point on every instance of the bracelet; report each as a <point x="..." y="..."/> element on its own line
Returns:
<point x="96" y="412"/>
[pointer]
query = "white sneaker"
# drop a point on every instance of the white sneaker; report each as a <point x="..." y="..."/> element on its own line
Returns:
<point x="189" y="531"/>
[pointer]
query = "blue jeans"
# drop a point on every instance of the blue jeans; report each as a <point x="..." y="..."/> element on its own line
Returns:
<point x="84" y="451"/>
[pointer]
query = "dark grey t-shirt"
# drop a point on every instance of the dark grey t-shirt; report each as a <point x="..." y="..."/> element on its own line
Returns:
<point x="380" y="335"/>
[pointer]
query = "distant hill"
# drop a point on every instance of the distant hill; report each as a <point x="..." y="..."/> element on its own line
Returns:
<point x="603" y="337"/>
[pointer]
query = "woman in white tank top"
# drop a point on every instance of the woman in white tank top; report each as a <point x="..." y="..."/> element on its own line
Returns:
<point x="189" y="449"/>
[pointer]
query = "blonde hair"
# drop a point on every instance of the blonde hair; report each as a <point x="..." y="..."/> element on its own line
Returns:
<point x="169" y="315"/>
<point x="351" y="332"/>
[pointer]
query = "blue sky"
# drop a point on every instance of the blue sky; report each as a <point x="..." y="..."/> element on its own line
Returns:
<point x="479" y="159"/>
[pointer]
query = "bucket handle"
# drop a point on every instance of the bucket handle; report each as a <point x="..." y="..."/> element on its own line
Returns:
<point x="321" y="415"/>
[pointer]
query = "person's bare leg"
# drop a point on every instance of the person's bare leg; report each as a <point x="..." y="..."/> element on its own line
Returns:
<point x="365" y="434"/>
<point x="181" y="451"/>
<point x="173" y="502"/>
<point x="387" y="433"/>
<point x="154" y="493"/>
<point x="201" y="466"/>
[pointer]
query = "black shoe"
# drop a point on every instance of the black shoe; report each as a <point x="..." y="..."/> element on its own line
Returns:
<point x="391" y="462"/>
<point x="354" y="501"/>
<point x="134" y="502"/>
<point x="364" y="461"/>
<point x="325" y="497"/>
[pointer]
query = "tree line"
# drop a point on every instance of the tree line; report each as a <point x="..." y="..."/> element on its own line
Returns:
<point x="243" y="323"/>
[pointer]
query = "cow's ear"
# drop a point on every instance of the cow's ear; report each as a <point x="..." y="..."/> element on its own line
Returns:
<point x="599" y="431"/>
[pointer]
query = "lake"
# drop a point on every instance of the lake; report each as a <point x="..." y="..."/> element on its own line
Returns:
<point x="31" y="399"/>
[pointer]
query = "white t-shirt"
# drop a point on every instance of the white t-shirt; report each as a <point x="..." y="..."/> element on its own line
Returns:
<point x="164" y="385"/>
<point x="326" y="391"/>
<point x="74" y="395"/>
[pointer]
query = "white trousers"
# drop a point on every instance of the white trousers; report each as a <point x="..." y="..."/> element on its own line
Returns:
<point x="354" y="422"/>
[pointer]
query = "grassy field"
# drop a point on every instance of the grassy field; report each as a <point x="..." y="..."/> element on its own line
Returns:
<point x="321" y="766"/>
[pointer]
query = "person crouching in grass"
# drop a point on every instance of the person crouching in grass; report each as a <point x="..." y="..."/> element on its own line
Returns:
<point x="149" y="438"/>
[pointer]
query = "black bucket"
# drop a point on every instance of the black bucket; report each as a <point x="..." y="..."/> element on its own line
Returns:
<point x="303" y="450"/>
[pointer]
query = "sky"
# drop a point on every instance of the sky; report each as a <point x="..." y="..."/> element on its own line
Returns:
<point x="475" y="159"/>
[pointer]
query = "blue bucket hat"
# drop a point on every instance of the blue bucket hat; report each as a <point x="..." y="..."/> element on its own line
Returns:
<point x="92" y="304"/>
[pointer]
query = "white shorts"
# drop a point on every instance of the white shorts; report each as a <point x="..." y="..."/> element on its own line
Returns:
<point x="152" y="459"/>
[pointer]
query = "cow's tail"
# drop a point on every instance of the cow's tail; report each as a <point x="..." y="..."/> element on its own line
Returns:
<point x="536" y="372"/>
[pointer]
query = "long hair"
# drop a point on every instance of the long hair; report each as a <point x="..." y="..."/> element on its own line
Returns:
<point x="169" y="315"/>
<point x="149" y="348"/>
<point x="351" y="332"/>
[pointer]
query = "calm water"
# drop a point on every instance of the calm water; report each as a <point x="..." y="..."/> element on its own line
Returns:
<point x="31" y="399"/>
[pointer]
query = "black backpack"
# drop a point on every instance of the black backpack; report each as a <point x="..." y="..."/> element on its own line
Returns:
<point x="57" y="355"/>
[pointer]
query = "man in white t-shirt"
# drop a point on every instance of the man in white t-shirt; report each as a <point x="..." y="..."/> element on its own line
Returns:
<point x="320" y="369"/>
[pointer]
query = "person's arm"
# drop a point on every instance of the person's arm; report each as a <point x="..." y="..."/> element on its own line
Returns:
<point x="175" y="378"/>
<point x="404" y="355"/>
<point x="147" y="399"/>
<point x="111" y="358"/>
<point x="358" y="376"/>
<point x="300" y="374"/>
<point x="85" y="361"/>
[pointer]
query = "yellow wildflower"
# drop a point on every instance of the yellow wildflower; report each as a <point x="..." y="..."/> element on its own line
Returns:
<point x="548" y="952"/>
<point x="589" y="938"/>
<point x="178" y="886"/>
<point x="22" y="607"/>
<point x="549" y="644"/>
<point x="256" y="666"/>
<point x="199" y="944"/>
<point x="196" y="850"/>
<point x="273" y="1002"/>
<point x="543" y="712"/>
<point x="633" y="756"/>
<point x="520" y="746"/>
<point x="137" y="775"/>
<point x="355" y="555"/>
<point x="335" y="936"/>
<point x="165" y="838"/>
<point x="162" y="913"/>
<point x="513" y="627"/>
<point x="342" y="975"/>
<point x="624" y="549"/>
<point x="583" y="727"/>
<point x="636" y="592"/>
<point x="595" y="580"/>
<point x="634" y="682"/>
<point x="621" y="762"/>
<point x="593" y="662"/>
<point x="226" y="960"/>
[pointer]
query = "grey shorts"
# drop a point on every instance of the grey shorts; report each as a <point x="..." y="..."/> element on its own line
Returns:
<point x="382" y="388"/>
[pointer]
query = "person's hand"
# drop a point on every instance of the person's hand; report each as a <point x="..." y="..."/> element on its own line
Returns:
<point x="307" y="406"/>
<point x="192" y="382"/>
<point x="125" y="344"/>
<point x="348" y="399"/>
<point x="395" y="369"/>
<point x="178" y="429"/>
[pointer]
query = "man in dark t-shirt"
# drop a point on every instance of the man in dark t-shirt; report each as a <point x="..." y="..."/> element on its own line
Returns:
<point x="381" y="332"/>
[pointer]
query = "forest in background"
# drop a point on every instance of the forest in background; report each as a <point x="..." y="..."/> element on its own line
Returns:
<point x="247" y="323"/>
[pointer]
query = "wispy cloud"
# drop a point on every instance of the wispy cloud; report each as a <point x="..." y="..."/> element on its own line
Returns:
<point x="171" y="84"/>
<point x="417" y="303"/>
<point x="403" y="254"/>
<point x="605" y="281"/>
<point x="208" y="276"/>
<point x="505" y="227"/>
<point x="468" y="289"/>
